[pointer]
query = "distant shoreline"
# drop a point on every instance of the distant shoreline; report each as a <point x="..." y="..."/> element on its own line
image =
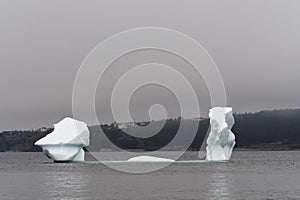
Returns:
<point x="277" y="130"/>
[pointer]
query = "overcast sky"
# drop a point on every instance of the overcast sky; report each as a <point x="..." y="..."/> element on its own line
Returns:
<point x="256" y="45"/>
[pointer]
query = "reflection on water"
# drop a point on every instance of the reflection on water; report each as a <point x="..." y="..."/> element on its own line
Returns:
<point x="218" y="187"/>
<point x="65" y="185"/>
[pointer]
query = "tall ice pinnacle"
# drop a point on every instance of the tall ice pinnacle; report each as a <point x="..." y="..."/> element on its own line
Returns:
<point x="65" y="143"/>
<point x="221" y="140"/>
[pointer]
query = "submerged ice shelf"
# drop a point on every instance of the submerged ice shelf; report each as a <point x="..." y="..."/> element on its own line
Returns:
<point x="65" y="143"/>
<point x="149" y="159"/>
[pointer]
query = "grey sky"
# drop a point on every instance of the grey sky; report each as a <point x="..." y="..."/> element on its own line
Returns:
<point x="255" y="44"/>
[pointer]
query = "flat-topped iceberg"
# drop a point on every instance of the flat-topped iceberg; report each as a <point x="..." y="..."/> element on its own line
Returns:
<point x="221" y="140"/>
<point x="65" y="143"/>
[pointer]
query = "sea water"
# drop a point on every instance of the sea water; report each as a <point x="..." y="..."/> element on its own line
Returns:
<point x="249" y="175"/>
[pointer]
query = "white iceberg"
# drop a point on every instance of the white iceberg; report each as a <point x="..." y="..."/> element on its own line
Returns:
<point x="221" y="140"/>
<point x="65" y="143"/>
<point x="149" y="159"/>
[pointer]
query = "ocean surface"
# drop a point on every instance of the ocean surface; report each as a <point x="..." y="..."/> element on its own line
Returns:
<point x="250" y="175"/>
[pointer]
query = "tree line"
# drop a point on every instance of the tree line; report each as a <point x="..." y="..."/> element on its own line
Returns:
<point x="265" y="130"/>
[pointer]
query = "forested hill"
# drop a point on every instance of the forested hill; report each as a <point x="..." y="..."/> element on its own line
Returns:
<point x="265" y="130"/>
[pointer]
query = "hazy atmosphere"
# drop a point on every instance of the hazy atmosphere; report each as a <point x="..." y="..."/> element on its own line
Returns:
<point x="152" y="100"/>
<point x="44" y="43"/>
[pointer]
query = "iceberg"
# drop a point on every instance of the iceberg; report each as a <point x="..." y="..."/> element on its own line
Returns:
<point x="221" y="140"/>
<point x="149" y="159"/>
<point x="65" y="143"/>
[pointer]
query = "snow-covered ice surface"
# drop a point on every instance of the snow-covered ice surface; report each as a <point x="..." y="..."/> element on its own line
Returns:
<point x="65" y="143"/>
<point x="149" y="159"/>
<point x="221" y="140"/>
